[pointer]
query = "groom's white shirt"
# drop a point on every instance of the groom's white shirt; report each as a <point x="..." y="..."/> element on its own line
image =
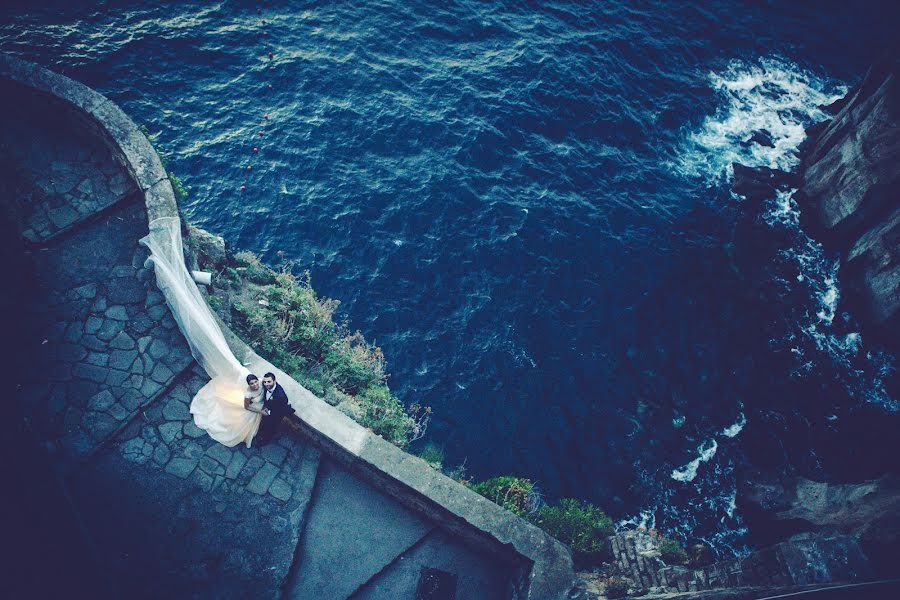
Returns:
<point x="270" y="392"/>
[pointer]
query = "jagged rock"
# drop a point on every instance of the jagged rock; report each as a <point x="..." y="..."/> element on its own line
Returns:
<point x="763" y="137"/>
<point x="869" y="510"/>
<point x="760" y="183"/>
<point x="211" y="253"/>
<point x="851" y="177"/>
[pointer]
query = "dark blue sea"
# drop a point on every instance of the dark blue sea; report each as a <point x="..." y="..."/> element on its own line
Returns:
<point x="528" y="206"/>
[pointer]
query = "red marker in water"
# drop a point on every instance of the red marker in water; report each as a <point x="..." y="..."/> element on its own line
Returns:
<point x="260" y="134"/>
<point x="271" y="56"/>
<point x="255" y="150"/>
<point x="266" y="117"/>
<point x="243" y="188"/>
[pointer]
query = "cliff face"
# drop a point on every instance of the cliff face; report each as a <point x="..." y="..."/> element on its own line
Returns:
<point x="868" y="511"/>
<point x="850" y="193"/>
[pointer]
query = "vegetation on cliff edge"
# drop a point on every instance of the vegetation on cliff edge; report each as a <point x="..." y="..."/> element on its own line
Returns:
<point x="280" y="315"/>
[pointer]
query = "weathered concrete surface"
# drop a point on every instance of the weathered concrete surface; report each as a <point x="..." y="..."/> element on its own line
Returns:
<point x="476" y="574"/>
<point x="334" y="536"/>
<point x="851" y="178"/>
<point x="164" y="505"/>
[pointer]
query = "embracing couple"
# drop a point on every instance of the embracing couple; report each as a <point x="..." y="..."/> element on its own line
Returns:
<point x="249" y="411"/>
<point x="268" y="400"/>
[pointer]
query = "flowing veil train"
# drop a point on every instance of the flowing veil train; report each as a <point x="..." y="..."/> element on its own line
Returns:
<point x="218" y="407"/>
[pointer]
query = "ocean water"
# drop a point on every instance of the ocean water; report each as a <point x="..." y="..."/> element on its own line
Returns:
<point x="527" y="205"/>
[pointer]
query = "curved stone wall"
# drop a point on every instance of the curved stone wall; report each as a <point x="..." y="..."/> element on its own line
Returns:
<point x="542" y="566"/>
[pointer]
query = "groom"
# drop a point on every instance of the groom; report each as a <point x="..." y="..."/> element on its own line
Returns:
<point x="276" y="401"/>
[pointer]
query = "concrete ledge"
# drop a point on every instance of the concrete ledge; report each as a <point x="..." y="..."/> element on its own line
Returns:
<point x="545" y="565"/>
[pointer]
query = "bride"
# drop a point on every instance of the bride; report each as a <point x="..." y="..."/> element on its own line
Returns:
<point x="227" y="417"/>
<point x="229" y="407"/>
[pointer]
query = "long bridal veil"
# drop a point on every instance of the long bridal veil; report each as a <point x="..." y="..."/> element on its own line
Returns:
<point x="219" y="406"/>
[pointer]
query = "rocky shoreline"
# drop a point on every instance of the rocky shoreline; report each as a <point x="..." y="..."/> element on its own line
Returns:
<point x="851" y="194"/>
<point x="847" y="190"/>
<point x="810" y="532"/>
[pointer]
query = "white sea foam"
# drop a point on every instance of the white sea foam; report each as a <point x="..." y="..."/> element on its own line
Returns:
<point x="646" y="519"/>
<point x="770" y="94"/>
<point x="734" y="429"/>
<point x="688" y="472"/>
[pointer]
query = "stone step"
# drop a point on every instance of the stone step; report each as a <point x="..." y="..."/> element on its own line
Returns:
<point x="304" y="476"/>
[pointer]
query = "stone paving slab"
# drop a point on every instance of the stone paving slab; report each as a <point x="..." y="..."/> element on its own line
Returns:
<point x="164" y="436"/>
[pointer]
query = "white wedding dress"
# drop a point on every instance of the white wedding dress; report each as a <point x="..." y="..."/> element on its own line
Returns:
<point x="218" y="407"/>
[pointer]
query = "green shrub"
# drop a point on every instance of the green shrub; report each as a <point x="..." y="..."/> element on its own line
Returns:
<point x="230" y="277"/>
<point x="313" y="384"/>
<point x="515" y="494"/>
<point x="381" y="411"/>
<point x="253" y="269"/>
<point x="433" y="455"/>
<point x="671" y="552"/>
<point x="580" y="525"/>
<point x="355" y="364"/>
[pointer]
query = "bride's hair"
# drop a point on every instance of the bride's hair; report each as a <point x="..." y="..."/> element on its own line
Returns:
<point x="251" y="378"/>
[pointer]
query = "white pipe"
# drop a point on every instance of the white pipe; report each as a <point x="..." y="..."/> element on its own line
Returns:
<point x="202" y="277"/>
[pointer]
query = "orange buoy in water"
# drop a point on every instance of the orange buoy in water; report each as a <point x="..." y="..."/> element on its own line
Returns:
<point x="243" y="188"/>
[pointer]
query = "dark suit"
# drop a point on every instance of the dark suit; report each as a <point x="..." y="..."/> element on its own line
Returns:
<point x="278" y="404"/>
